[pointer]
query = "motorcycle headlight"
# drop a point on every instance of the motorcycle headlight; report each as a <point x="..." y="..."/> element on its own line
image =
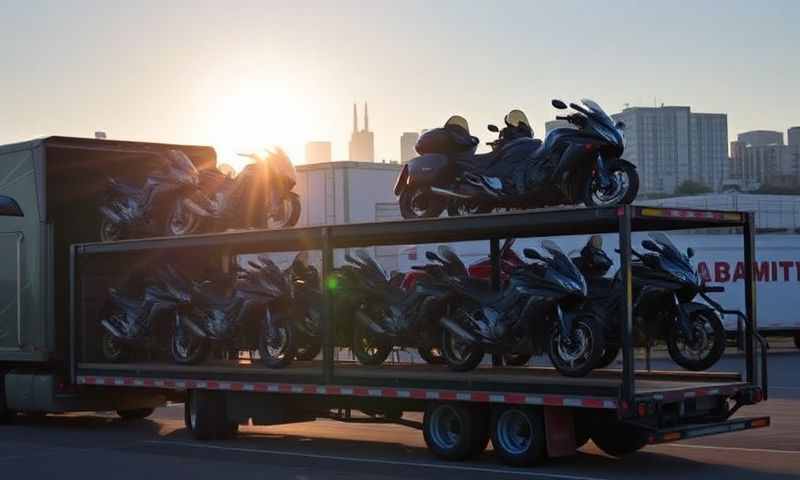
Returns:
<point x="614" y="136"/>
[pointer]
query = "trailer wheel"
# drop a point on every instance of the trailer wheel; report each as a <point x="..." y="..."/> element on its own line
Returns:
<point x="206" y="417"/>
<point x="518" y="436"/>
<point x="136" y="414"/>
<point x="6" y="415"/>
<point x="618" y="438"/>
<point x="455" y="432"/>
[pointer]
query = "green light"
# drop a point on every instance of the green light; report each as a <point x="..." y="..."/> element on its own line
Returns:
<point x="332" y="283"/>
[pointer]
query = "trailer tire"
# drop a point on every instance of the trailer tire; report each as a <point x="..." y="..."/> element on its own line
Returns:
<point x="206" y="418"/>
<point x="454" y="431"/>
<point x="618" y="438"/>
<point x="518" y="436"/>
<point x="6" y="415"/>
<point x="135" y="414"/>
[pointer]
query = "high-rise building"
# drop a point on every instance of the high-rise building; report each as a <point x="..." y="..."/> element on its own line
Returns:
<point x="671" y="144"/>
<point x="318" y="152"/>
<point x="757" y="138"/>
<point x="553" y="124"/>
<point x="362" y="142"/>
<point x="408" y="142"/>
<point x="793" y="136"/>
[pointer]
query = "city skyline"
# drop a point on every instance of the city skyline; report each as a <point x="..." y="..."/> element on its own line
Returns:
<point x="225" y="76"/>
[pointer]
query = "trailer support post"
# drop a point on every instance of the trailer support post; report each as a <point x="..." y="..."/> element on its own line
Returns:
<point x="628" y="387"/>
<point x="494" y="256"/>
<point x="750" y="294"/>
<point x="328" y="314"/>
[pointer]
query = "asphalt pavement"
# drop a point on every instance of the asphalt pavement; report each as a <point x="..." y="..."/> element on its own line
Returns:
<point x="103" y="446"/>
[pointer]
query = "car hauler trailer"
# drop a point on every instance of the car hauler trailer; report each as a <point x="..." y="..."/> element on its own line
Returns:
<point x="528" y="412"/>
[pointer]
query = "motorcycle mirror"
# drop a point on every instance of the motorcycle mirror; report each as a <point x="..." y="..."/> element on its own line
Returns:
<point x="493" y="128"/>
<point x="690" y="252"/>
<point x="650" y="245"/>
<point x="532" y="254"/>
<point x="431" y="256"/>
<point x="9" y="207"/>
<point x="620" y="125"/>
<point x="596" y="241"/>
<point x="559" y="104"/>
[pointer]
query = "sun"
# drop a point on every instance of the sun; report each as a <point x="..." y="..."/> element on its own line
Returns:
<point x="253" y="117"/>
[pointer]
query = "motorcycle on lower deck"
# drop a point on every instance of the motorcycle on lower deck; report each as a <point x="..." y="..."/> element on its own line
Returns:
<point x="130" y="211"/>
<point x="537" y="311"/>
<point x="260" y="196"/>
<point x="665" y="284"/>
<point x="132" y="323"/>
<point x="572" y="166"/>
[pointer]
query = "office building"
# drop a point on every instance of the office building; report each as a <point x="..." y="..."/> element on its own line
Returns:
<point x="318" y="152"/>
<point x="553" y="124"/>
<point x="671" y="144"/>
<point x="408" y="142"/>
<point x="757" y="138"/>
<point x="362" y="142"/>
<point x="760" y="157"/>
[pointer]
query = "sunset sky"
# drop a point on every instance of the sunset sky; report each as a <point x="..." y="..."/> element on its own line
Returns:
<point x="239" y="74"/>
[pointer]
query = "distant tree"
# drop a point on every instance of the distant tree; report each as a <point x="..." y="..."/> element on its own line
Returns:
<point x="691" y="187"/>
<point x="778" y="189"/>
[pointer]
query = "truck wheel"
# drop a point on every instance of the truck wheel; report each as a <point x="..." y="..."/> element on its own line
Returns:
<point x="205" y="415"/>
<point x="455" y="432"/>
<point x="136" y="414"/>
<point x="707" y="347"/>
<point x="618" y="438"/>
<point x="518" y="436"/>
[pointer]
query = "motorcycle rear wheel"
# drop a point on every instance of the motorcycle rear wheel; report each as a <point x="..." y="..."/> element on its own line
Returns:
<point x="708" y="329"/>
<point x="277" y="352"/>
<point x="431" y="355"/>
<point x="291" y="213"/>
<point x="458" y="355"/>
<point x="625" y="190"/>
<point x="308" y="351"/>
<point x="416" y="202"/>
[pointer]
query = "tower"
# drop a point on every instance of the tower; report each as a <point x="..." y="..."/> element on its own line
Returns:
<point x="362" y="142"/>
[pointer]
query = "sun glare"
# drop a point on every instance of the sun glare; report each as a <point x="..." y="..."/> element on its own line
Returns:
<point x="252" y="118"/>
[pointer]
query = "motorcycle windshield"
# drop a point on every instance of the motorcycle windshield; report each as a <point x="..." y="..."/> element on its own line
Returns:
<point x="597" y="112"/>
<point x="455" y="266"/>
<point x="562" y="264"/>
<point x="370" y="265"/>
<point x="272" y="279"/>
<point x="669" y="251"/>
<point x="180" y="162"/>
<point x="280" y="164"/>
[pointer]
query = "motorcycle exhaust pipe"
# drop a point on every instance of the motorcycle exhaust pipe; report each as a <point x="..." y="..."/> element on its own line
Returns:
<point x="367" y="322"/>
<point x="195" y="208"/>
<point x="449" y="193"/>
<point x="458" y="331"/>
<point x="111" y="328"/>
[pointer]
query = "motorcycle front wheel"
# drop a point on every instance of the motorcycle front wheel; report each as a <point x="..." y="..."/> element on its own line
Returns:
<point x="706" y="348"/>
<point x="181" y="221"/>
<point x="575" y="354"/>
<point x="110" y="231"/>
<point x="416" y="202"/>
<point x="276" y="345"/>
<point x="367" y="347"/>
<point x="187" y="348"/>
<point x="623" y="191"/>
<point x="291" y="213"/>
<point x="459" y="355"/>
<point x="308" y="351"/>
<point x="431" y="355"/>
<point x="113" y="349"/>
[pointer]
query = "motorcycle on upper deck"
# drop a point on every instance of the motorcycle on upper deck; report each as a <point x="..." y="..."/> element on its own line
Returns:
<point x="572" y="166"/>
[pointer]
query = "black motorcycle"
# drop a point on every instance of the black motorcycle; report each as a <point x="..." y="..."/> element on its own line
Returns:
<point x="572" y="166"/>
<point x="260" y="196"/>
<point x="133" y="322"/>
<point x="229" y="314"/>
<point x="537" y="311"/>
<point x="137" y="211"/>
<point x="665" y="283"/>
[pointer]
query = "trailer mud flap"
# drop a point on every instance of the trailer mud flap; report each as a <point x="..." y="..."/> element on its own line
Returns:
<point x="559" y="427"/>
<point x="702" y="430"/>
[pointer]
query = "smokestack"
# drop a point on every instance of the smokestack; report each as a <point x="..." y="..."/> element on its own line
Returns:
<point x="355" y="119"/>
<point x="366" y="118"/>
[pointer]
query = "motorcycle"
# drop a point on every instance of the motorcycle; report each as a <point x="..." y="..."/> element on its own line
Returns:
<point x="130" y="211"/>
<point x="233" y="319"/>
<point x="537" y="311"/>
<point x="665" y="283"/>
<point x="133" y="323"/>
<point x="572" y="166"/>
<point x="260" y="196"/>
